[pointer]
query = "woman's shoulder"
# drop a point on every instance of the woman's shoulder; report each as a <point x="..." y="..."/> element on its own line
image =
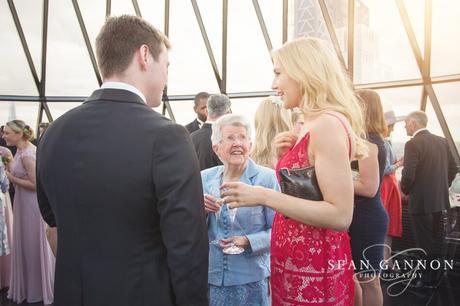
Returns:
<point x="29" y="151"/>
<point x="330" y="125"/>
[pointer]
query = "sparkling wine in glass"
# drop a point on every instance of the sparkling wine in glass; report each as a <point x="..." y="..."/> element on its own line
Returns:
<point x="232" y="249"/>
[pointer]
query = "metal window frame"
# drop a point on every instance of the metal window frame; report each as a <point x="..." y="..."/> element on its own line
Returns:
<point x="423" y="62"/>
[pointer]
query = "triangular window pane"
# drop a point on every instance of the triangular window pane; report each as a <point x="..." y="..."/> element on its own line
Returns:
<point x="382" y="49"/>
<point x="69" y="69"/>
<point x="190" y="69"/>
<point x="16" y="78"/>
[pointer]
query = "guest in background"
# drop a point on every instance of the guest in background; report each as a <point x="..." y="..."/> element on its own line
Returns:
<point x="217" y="106"/>
<point x="270" y="120"/>
<point x="370" y="220"/>
<point x="237" y="280"/>
<point x="32" y="274"/>
<point x="200" y="110"/>
<point x="391" y="196"/>
<point x="429" y="169"/>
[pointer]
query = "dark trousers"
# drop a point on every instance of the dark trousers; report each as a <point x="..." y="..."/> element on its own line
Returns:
<point x="428" y="232"/>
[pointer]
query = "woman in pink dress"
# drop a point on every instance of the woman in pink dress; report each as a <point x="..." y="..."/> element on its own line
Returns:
<point x="310" y="248"/>
<point x="32" y="270"/>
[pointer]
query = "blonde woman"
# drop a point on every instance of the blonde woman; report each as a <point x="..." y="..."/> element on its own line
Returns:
<point x="32" y="267"/>
<point x="310" y="247"/>
<point x="270" y="120"/>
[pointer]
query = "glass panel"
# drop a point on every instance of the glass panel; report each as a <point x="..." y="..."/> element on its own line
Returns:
<point x="30" y="15"/>
<point x="69" y="69"/>
<point x="309" y="20"/>
<point x="402" y="101"/>
<point x="433" y="123"/>
<point x="120" y="7"/>
<point x="445" y="42"/>
<point x="338" y="11"/>
<point x="183" y="111"/>
<point x="93" y="13"/>
<point x="272" y="11"/>
<point x="18" y="80"/>
<point x="154" y="12"/>
<point x="382" y="49"/>
<point x="249" y="64"/>
<point x="58" y="109"/>
<point x="211" y="12"/>
<point x="448" y="94"/>
<point x="26" y="111"/>
<point x="190" y="69"/>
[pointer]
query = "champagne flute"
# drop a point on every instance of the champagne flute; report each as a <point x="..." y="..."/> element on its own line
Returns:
<point x="214" y="190"/>
<point x="232" y="249"/>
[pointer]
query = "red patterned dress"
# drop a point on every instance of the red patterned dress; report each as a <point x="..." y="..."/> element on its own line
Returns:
<point x="309" y="265"/>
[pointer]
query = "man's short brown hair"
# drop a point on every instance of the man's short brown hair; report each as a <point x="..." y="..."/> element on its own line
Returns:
<point x="119" y="39"/>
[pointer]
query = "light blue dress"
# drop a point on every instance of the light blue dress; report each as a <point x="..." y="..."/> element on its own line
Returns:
<point x="240" y="279"/>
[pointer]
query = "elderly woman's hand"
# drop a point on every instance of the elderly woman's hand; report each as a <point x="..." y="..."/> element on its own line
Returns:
<point x="238" y="194"/>
<point x="211" y="204"/>
<point x="239" y="241"/>
<point x="283" y="142"/>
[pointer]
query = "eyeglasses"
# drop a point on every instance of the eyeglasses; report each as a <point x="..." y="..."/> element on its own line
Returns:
<point x="231" y="139"/>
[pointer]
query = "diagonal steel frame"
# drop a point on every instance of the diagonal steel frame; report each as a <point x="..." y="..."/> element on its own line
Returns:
<point x="108" y="8"/>
<point x="331" y="30"/>
<point x="204" y="34"/>
<point x="25" y="46"/>
<point x="262" y="24"/>
<point x="351" y="39"/>
<point x="89" y="47"/>
<point x="428" y="87"/>
<point x="136" y="8"/>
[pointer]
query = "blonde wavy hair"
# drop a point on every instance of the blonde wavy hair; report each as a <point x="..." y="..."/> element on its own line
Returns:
<point x="324" y="84"/>
<point x="270" y="119"/>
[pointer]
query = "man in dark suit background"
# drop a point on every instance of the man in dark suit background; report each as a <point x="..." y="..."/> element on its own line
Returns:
<point x="130" y="219"/>
<point x="201" y="111"/>
<point x="429" y="169"/>
<point x="217" y="105"/>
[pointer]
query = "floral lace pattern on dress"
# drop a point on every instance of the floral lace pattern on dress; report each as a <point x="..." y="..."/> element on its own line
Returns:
<point x="309" y="265"/>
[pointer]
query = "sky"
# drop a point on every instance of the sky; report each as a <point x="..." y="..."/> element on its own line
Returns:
<point x="69" y="71"/>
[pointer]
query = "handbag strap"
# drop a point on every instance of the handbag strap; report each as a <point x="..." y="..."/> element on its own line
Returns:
<point x="346" y="129"/>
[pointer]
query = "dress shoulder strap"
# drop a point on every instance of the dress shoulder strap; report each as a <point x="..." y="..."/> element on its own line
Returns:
<point x="348" y="132"/>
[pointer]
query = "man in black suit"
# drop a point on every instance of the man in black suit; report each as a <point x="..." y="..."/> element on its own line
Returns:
<point x="201" y="111"/>
<point x="217" y="105"/>
<point x="130" y="219"/>
<point x="429" y="169"/>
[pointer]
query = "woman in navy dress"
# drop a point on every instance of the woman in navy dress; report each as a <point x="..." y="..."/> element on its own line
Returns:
<point x="370" y="220"/>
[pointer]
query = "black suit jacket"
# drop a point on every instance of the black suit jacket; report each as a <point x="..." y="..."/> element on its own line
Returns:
<point x="193" y="126"/>
<point x="429" y="169"/>
<point x="202" y="142"/>
<point x="130" y="218"/>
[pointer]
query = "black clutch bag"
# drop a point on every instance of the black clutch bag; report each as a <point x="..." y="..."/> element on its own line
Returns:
<point x="300" y="183"/>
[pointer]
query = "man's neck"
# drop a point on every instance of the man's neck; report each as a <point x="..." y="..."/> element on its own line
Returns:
<point x="419" y="130"/>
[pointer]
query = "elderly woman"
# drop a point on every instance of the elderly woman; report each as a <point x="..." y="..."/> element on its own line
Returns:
<point x="238" y="279"/>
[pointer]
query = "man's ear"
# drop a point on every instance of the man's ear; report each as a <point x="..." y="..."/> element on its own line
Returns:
<point x="144" y="56"/>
